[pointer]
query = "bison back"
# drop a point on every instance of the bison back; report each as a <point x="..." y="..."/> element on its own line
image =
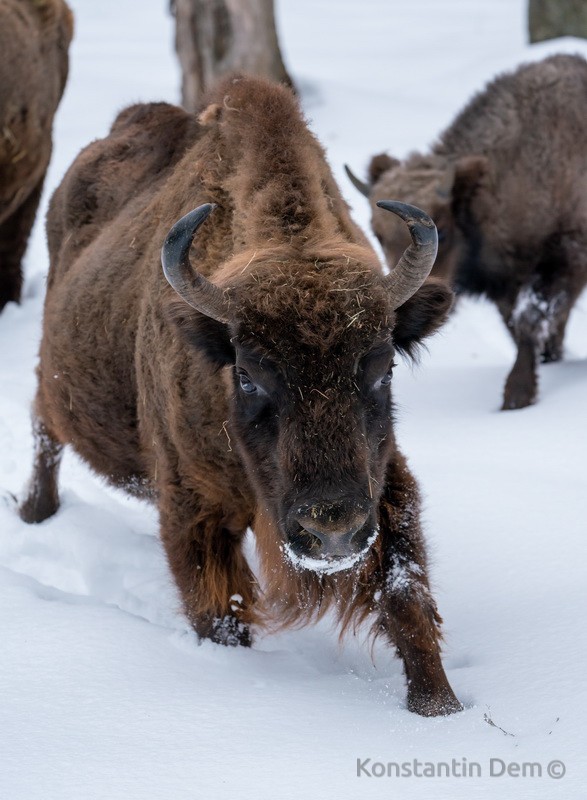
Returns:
<point x="98" y="225"/>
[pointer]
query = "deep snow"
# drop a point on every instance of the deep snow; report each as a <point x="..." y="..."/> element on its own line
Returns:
<point x="105" y="693"/>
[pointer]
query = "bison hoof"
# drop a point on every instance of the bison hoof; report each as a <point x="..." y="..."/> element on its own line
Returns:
<point x="34" y="510"/>
<point x="229" y="631"/>
<point x="437" y="705"/>
<point x="550" y="355"/>
<point x="519" y="393"/>
<point x="517" y="399"/>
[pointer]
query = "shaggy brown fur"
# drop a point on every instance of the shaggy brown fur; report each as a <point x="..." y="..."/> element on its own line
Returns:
<point x="34" y="39"/>
<point x="506" y="185"/>
<point x="152" y="396"/>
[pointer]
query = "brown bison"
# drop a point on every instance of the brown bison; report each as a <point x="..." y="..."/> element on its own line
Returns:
<point x="506" y="185"/>
<point x="34" y="38"/>
<point x="258" y="392"/>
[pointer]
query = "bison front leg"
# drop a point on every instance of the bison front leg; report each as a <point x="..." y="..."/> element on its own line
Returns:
<point x="407" y="613"/>
<point x="537" y="323"/>
<point x="42" y="499"/>
<point x="217" y="588"/>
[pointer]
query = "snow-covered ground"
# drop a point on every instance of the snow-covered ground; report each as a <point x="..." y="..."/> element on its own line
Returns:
<point x="105" y="693"/>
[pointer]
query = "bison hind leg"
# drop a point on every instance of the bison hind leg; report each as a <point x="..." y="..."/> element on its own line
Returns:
<point x="552" y="349"/>
<point x="42" y="500"/>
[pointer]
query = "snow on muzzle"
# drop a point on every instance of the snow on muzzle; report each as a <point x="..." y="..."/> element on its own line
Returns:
<point x="329" y="537"/>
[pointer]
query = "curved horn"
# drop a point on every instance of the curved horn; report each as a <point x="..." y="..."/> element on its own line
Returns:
<point x="414" y="266"/>
<point x="364" y="188"/>
<point x="187" y="282"/>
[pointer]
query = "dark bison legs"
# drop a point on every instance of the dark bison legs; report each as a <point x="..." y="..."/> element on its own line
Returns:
<point x="14" y="234"/>
<point x="42" y="499"/>
<point x="217" y="588"/>
<point x="536" y="313"/>
<point x="413" y="624"/>
<point x="521" y="386"/>
<point x="537" y="321"/>
<point x="407" y="611"/>
<point x="553" y="345"/>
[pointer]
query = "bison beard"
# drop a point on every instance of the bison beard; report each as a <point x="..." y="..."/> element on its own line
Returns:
<point x="256" y="391"/>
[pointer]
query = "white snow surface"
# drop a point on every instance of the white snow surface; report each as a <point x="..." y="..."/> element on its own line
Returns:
<point x="105" y="692"/>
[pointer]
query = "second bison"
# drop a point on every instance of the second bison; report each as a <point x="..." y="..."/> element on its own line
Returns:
<point x="506" y="185"/>
<point x="34" y="41"/>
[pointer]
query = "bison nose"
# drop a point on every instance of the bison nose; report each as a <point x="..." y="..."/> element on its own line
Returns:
<point x="329" y="531"/>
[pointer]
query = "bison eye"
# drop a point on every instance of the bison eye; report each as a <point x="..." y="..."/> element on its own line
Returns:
<point x="386" y="379"/>
<point x="441" y="235"/>
<point x="246" y="383"/>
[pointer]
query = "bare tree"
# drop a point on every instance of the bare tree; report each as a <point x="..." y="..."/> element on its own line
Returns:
<point x="214" y="37"/>
<point x="551" y="18"/>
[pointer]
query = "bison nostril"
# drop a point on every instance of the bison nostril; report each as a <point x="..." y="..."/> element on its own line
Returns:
<point x="325" y="526"/>
<point x="304" y="541"/>
<point x="329" y="530"/>
<point x="337" y="542"/>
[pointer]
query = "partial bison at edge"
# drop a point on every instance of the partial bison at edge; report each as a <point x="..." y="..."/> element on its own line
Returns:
<point x="506" y="185"/>
<point x="247" y="384"/>
<point x="34" y="40"/>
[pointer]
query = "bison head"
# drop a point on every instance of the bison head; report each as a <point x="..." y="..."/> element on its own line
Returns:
<point x="310" y="334"/>
<point x="445" y="190"/>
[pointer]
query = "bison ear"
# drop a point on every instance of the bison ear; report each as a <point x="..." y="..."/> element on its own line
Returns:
<point x="421" y="315"/>
<point x="380" y="164"/>
<point x="469" y="173"/>
<point x="210" y="337"/>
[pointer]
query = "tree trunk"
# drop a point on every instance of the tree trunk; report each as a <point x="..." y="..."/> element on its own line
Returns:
<point x="551" y="18"/>
<point x="215" y="37"/>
